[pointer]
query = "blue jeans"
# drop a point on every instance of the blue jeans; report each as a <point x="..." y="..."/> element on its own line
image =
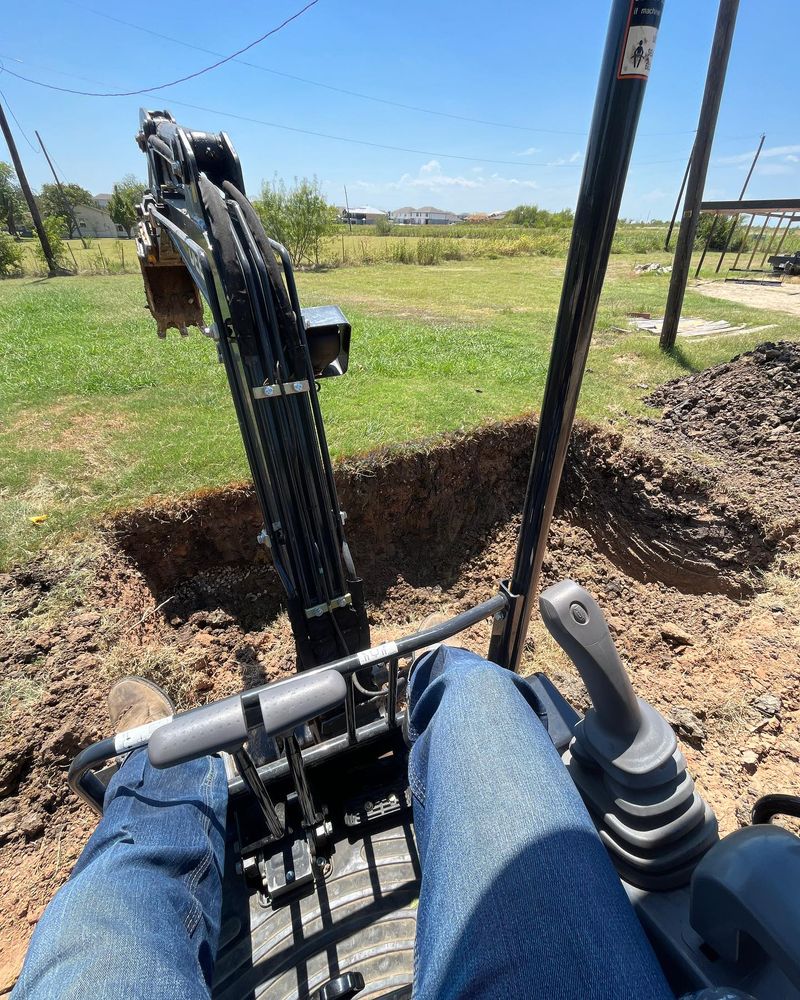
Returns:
<point x="139" y="916"/>
<point x="518" y="897"/>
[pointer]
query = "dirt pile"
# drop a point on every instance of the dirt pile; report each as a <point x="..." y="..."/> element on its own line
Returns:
<point x="746" y="415"/>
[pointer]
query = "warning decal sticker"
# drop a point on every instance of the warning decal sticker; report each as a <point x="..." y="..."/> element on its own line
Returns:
<point x="640" y="39"/>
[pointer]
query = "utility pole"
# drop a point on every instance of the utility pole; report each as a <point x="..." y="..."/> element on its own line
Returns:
<point x="61" y="191"/>
<point x="53" y="268"/>
<point x="715" y="81"/>
<point x="347" y="209"/>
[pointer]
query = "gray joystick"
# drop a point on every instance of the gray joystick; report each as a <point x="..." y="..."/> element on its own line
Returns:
<point x="624" y="757"/>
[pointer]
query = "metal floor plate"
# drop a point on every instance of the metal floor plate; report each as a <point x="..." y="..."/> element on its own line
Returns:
<point x="361" y="918"/>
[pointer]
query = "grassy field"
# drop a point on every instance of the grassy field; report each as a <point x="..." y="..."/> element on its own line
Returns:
<point x="428" y="245"/>
<point x="96" y="413"/>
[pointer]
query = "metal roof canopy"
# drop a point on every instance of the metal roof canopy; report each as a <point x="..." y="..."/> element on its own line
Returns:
<point x="759" y="206"/>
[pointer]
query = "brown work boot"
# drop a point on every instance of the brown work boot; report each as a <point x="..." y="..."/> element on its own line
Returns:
<point x="430" y="621"/>
<point x="134" y="701"/>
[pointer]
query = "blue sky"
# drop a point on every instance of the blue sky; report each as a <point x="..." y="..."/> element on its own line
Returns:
<point x="530" y="65"/>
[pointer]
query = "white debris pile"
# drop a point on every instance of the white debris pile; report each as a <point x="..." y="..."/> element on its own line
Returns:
<point x="653" y="268"/>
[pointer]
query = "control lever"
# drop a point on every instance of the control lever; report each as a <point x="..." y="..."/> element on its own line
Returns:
<point x="575" y="621"/>
<point x="624" y="757"/>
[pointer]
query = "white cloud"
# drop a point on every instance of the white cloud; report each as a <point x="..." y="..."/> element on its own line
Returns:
<point x="657" y="194"/>
<point x="530" y="151"/>
<point x="431" y="177"/>
<point x="774" y="169"/>
<point x="770" y="153"/>
<point x="564" y="161"/>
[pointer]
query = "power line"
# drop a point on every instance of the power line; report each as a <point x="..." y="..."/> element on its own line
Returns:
<point x="343" y="90"/>
<point x="21" y="129"/>
<point x="317" y="134"/>
<point x="364" y="142"/>
<point x="346" y="139"/>
<point x="367" y="142"/>
<point x="324" y="86"/>
<point x="172" y="83"/>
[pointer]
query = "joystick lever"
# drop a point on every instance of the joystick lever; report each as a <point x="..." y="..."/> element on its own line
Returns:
<point x="624" y="757"/>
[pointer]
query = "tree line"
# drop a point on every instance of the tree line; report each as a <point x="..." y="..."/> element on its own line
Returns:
<point x="297" y="215"/>
<point x="60" y="203"/>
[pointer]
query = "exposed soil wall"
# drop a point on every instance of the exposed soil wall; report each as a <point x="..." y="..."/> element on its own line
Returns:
<point x="424" y="513"/>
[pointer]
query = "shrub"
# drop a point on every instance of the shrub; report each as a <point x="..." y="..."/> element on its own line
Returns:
<point x="402" y="252"/>
<point x="54" y="226"/>
<point x="383" y="226"/>
<point x="429" y="251"/>
<point x="11" y="255"/>
<point x="298" y="217"/>
<point x="725" y="231"/>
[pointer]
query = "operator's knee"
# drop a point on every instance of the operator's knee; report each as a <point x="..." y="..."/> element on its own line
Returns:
<point x="447" y="661"/>
<point x="469" y="690"/>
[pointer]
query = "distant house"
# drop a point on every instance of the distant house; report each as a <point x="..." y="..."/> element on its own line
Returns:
<point x="102" y="200"/>
<point x="425" y="216"/>
<point x="97" y="222"/>
<point x="363" y="215"/>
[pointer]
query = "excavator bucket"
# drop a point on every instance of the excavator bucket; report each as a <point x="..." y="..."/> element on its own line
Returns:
<point x="172" y="296"/>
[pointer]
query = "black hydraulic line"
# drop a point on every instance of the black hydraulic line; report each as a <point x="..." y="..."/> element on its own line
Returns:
<point x="616" y="115"/>
<point x="350" y="711"/>
<point x="248" y="412"/>
<point x="318" y="422"/>
<point x="248" y="771"/>
<point x="777" y="804"/>
<point x="294" y="759"/>
<point x="302" y="534"/>
<point x="317" y="566"/>
<point x="391" y="694"/>
<point x="309" y="468"/>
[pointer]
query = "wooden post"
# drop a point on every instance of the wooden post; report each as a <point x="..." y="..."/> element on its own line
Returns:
<point x="715" y="81"/>
<point x="61" y="191"/>
<point x="678" y="201"/>
<point x="52" y="266"/>
<point x="731" y="231"/>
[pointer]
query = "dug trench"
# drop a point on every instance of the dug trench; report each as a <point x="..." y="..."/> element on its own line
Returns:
<point x="691" y="577"/>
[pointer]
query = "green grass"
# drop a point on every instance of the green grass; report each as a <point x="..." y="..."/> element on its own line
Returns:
<point x="96" y="413"/>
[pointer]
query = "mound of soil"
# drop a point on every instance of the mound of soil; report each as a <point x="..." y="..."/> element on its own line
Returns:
<point x="746" y="415"/>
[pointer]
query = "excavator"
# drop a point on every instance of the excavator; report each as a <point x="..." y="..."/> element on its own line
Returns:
<point x="322" y="874"/>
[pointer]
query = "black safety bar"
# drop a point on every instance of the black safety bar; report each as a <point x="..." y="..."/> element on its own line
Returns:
<point x="85" y="783"/>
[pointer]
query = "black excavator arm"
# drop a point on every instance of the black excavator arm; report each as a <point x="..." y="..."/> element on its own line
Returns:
<point x="200" y="239"/>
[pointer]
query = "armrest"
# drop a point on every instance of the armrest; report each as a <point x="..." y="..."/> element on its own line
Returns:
<point x="749" y="884"/>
